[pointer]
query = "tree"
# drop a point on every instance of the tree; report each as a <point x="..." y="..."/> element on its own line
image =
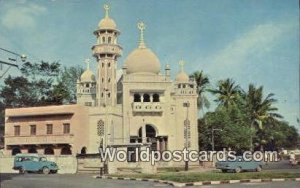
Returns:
<point x="67" y="80"/>
<point x="227" y="92"/>
<point x="202" y="82"/>
<point x="260" y="110"/>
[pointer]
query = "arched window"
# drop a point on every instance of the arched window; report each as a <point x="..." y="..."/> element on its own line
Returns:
<point x="15" y="151"/>
<point x="108" y="65"/>
<point x="66" y="151"/>
<point x="103" y="39"/>
<point x="83" y="150"/>
<point x="109" y="40"/>
<point x="32" y="150"/>
<point x="146" y="98"/>
<point x="155" y="97"/>
<point x="87" y="85"/>
<point x="108" y="95"/>
<point x="100" y="128"/>
<point x="102" y="95"/>
<point x="136" y="97"/>
<point x="49" y="151"/>
<point x="108" y="80"/>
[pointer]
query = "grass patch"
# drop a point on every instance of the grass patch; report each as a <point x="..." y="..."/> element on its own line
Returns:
<point x="213" y="176"/>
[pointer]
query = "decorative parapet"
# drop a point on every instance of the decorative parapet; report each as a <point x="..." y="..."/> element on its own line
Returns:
<point x="147" y="107"/>
<point x="39" y="139"/>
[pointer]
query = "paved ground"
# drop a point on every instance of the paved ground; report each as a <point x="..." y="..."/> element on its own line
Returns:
<point x="86" y="181"/>
<point x="289" y="184"/>
<point x="66" y="181"/>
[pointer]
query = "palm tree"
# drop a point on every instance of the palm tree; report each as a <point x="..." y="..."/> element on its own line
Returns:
<point x="261" y="110"/>
<point x="202" y="82"/>
<point x="227" y="92"/>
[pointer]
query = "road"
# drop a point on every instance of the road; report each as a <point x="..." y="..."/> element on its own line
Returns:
<point x="87" y="181"/>
<point x="66" y="181"/>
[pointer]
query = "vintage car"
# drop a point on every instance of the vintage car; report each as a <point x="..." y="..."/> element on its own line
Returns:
<point x="34" y="163"/>
<point x="239" y="165"/>
<point x="294" y="158"/>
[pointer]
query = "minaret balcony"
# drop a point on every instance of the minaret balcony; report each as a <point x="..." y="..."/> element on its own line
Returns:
<point x="147" y="107"/>
<point x="107" y="49"/>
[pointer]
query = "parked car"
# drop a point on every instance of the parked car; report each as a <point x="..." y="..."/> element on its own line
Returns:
<point x="34" y="163"/>
<point x="239" y="165"/>
<point x="294" y="158"/>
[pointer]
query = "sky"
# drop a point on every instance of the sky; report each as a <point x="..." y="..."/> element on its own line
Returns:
<point x="250" y="41"/>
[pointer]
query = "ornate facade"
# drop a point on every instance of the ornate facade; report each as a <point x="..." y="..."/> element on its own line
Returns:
<point x="142" y="105"/>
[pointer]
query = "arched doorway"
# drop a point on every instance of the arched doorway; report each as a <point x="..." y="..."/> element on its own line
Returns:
<point x="32" y="150"/>
<point x="49" y="151"/>
<point x="66" y="151"/>
<point x="150" y="135"/>
<point x="83" y="150"/>
<point x="15" y="151"/>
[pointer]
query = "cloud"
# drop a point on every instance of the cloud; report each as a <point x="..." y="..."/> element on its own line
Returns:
<point x="22" y="16"/>
<point x="253" y="44"/>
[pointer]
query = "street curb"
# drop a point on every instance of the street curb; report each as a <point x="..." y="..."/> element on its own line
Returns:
<point x="217" y="182"/>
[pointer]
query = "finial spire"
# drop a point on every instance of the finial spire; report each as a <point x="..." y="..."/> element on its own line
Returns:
<point x="87" y="61"/>
<point x="181" y="64"/>
<point x="106" y="9"/>
<point x="141" y="26"/>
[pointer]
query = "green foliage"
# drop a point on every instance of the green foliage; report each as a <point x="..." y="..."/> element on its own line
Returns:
<point x="246" y="118"/>
<point x="202" y="82"/>
<point x="39" y="84"/>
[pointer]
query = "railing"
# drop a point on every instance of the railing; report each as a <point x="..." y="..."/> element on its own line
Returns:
<point x="38" y="139"/>
<point x="147" y="107"/>
<point x="107" y="48"/>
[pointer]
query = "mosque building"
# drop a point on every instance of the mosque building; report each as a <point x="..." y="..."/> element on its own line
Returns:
<point x="142" y="105"/>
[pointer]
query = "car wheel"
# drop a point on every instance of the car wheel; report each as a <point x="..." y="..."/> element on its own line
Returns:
<point x="224" y="170"/>
<point x="22" y="171"/>
<point x="237" y="169"/>
<point x="46" y="170"/>
<point x="258" y="169"/>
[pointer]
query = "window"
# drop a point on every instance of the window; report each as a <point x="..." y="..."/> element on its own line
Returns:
<point x="108" y="80"/>
<point x="108" y="65"/>
<point x="102" y="95"/>
<point x="146" y="98"/>
<point x="87" y="85"/>
<point x="108" y="95"/>
<point x="155" y="97"/>
<point x="66" y="128"/>
<point x="17" y="130"/>
<point x="109" y="40"/>
<point x="103" y="39"/>
<point x="136" y="98"/>
<point x="49" y="129"/>
<point x="102" y="80"/>
<point x="32" y="129"/>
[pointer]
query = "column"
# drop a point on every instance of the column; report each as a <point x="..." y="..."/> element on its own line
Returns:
<point x="144" y="134"/>
<point x="163" y="148"/>
<point x="157" y="144"/>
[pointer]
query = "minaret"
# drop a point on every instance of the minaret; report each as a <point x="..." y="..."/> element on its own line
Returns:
<point x="106" y="51"/>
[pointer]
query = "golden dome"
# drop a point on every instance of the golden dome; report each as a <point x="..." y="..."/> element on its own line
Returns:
<point x="142" y="60"/>
<point x="87" y="75"/>
<point x="182" y="76"/>
<point x="107" y="22"/>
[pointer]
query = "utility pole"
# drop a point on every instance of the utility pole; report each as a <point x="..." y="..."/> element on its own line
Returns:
<point x="186" y="131"/>
<point x="21" y="56"/>
<point x="213" y="138"/>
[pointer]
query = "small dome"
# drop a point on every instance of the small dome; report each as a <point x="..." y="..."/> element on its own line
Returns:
<point x="87" y="76"/>
<point x="107" y="23"/>
<point x="142" y="60"/>
<point x="182" y="77"/>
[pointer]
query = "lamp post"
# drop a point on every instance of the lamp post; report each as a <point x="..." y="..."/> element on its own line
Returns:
<point x="21" y="56"/>
<point x="186" y="131"/>
<point x="213" y="139"/>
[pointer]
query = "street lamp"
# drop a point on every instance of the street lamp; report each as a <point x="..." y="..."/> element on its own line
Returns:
<point x="186" y="131"/>
<point x="213" y="139"/>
